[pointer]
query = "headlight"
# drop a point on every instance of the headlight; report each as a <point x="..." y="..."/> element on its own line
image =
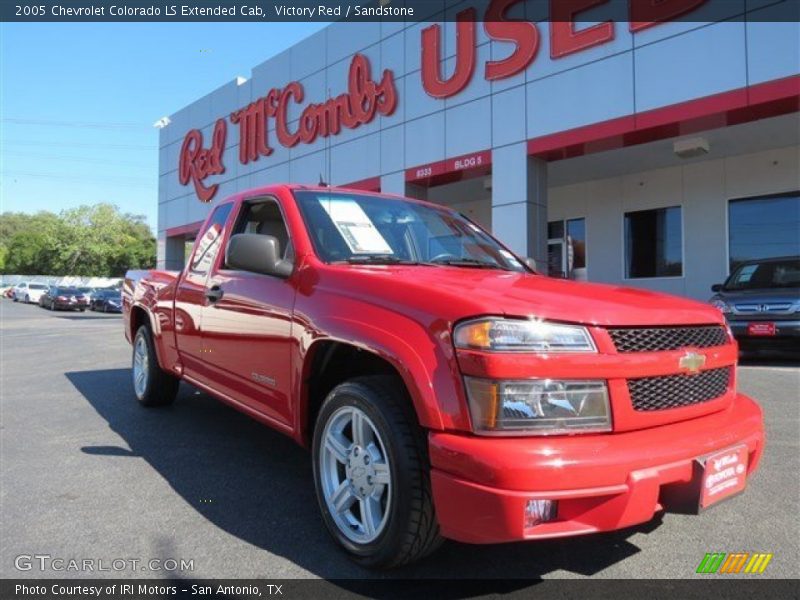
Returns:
<point x="537" y="406"/>
<point x="515" y="335"/>
<point x="722" y="306"/>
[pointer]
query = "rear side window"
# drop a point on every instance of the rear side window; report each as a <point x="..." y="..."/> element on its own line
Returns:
<point x="208" y="243"/>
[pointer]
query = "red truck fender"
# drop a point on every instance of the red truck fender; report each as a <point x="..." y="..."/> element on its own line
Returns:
<point x="425" y="366"/>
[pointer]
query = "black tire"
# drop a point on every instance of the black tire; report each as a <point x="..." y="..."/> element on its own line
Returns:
<point x="27" y="299"/>
<point x="160" y="386"/>
<point x="411" y="531"/>
<point x="15" y="298"/>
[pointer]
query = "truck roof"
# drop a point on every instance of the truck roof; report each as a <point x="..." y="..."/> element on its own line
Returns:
<point x="274" y="187"/>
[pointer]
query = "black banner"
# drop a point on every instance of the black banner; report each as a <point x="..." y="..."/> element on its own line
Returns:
<point x="391" y="10"/>
<point x="715" y="587"/>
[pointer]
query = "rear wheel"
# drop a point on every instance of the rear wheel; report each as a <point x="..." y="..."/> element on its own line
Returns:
<point x="371" y="474"/>
<point x="152" y="385"/>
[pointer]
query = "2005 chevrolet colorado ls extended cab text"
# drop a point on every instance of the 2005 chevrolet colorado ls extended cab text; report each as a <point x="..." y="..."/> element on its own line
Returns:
<point x="445" y="389"/>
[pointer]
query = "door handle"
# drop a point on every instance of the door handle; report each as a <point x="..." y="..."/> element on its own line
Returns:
<point x="214" y="293"/>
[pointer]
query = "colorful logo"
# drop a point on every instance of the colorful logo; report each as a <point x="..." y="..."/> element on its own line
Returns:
<point x="735" y="562"/>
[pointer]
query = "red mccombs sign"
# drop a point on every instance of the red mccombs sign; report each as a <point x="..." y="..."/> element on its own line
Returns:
<point x="365" y="98"/>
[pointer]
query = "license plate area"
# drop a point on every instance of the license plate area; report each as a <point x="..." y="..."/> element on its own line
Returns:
<point x="724" y="475"/>
<point x="761" y="329"/>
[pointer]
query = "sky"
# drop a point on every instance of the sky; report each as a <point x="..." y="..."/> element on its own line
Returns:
<point x="78" y="102"/>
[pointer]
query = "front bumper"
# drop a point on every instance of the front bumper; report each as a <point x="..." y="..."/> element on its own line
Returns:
<point x="602" y="482"/>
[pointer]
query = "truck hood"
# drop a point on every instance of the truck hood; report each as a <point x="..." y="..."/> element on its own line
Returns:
<point x="756" y="296"/>
<point x="456" y="293"/>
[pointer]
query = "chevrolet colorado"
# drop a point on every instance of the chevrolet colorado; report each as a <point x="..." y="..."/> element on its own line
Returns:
<point x="445" y="389"/>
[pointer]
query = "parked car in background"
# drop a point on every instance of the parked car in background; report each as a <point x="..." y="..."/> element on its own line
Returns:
<point x="28" y="292"/>
<point x="64" y="298"/>
<point x="761" y="302"/>
<point x="87" y="291"/>
<point x="106" y="301"/>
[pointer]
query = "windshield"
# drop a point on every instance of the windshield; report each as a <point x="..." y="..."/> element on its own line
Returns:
<point x="772" y="274"/>
<point x="378" y="230"/>
<point x="66" y="291"/>
<point x="37" y="286"/>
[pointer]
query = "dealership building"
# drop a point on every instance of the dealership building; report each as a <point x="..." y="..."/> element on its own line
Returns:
<point x="639" y="153"/>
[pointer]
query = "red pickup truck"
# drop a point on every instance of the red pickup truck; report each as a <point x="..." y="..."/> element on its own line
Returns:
<point x="445" y="389"/>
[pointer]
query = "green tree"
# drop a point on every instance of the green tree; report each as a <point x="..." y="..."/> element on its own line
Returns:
<point x="94" y="240"/>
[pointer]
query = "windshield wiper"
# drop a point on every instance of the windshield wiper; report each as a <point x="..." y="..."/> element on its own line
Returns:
<point x="468" y="262"/>
<point x="377" y="259"/>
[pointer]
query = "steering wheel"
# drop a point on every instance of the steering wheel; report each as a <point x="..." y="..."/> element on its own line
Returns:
<point x="443" y="256"/>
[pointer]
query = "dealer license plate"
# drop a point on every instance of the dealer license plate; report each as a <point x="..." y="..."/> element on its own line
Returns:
<point x="724" y="475"/>
<point x="761" y="329"/>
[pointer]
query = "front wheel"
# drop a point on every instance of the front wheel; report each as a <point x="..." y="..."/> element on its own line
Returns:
<point x="152" y="385"/>
<point x="371" y="474"/>
<point x="27" y="299"/>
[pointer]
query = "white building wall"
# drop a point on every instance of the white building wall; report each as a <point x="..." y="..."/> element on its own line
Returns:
<point x="663" y="65"/>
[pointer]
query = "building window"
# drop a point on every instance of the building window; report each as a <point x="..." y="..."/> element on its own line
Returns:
<point x="763" y="227"/>
<point x="576" y="238"/>
<point x="653" y="243"/>
<point x="566" y="248"/>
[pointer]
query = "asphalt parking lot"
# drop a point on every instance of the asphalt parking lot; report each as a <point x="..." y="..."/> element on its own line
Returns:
<point x="86" y="473"/>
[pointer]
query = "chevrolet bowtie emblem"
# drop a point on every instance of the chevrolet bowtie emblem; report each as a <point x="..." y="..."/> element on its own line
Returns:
<point x="692" y="362"/>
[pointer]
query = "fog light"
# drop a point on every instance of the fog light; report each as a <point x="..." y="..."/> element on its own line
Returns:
<point x="540" y="511"/>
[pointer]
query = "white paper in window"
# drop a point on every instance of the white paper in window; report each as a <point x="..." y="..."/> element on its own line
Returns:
<point x="358" y="231"/>
<point x="746" y="274"/>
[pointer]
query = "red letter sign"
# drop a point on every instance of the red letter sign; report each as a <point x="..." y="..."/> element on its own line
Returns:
<point x="465" y="57"/>
<point x="524" y="34"/>
<point x="564" y="39"/>
<point x="646" y="13"/>
<point x="196" y="163"/>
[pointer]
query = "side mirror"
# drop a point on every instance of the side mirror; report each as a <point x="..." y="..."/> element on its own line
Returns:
<point x="256" y="253"/>
<point x="717" y="287"/>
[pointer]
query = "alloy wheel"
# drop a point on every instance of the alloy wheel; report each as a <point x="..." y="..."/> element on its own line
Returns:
<point x="141" y="365"/>
<point x="355" y="475"/>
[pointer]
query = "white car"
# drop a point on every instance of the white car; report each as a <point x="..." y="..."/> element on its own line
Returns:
<point x="29" y="292"/>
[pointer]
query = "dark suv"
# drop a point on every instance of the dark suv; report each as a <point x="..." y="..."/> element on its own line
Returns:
<point x="761" y="301"/>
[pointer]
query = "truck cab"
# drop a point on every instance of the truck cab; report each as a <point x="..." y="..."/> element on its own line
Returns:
<point x="444" y="388"/>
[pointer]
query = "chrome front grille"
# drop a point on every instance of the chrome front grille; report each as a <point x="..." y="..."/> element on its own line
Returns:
<point x="675" y="391"/>
<point x="657" y="339"/>
<point x="765" y="308"/>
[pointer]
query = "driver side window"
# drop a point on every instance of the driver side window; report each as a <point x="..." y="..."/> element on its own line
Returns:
<point x="264" y="217"/>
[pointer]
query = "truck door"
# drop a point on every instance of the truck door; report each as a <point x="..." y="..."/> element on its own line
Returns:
<point x="190" y="293"/>
<point x="247" y="328"/>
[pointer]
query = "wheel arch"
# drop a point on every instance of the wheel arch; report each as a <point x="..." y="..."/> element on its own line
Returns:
<point x="331" y="361"/>
<point x="139" y="316"/>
